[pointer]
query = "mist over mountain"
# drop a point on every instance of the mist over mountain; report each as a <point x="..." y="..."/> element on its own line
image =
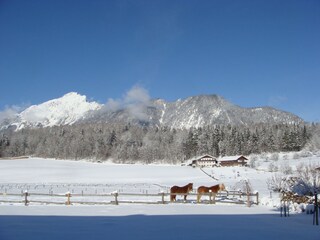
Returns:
<point x="138" y="108"/>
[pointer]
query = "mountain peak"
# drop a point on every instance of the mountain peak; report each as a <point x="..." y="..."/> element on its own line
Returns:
<point x="73" y="95"/>
<point x="67" y="109"/>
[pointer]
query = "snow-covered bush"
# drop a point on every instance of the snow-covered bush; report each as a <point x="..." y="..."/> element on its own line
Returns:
<point x="305" y="154"/>
<point x="265" y="157"/>
<point x="296" y="156"/>
<point x="286" y="169"/>
<point x="253" y="161"/>
<point x="277" y="183"/>
<point x="308" y="179"/>
<point x="303" y="183"/>
<point x="272" y="167"/>
<point x="274" y="156"/>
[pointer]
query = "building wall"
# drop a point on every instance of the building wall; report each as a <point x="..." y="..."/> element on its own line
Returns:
<point x="232" y="163"/>
<point x="206" y="163"/>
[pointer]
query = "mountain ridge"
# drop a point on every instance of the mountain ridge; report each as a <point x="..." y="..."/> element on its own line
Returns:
<point x="194" y="111"/>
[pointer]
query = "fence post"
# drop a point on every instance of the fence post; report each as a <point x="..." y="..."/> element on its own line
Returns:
<point x="116" y="198"/>
<point x="316" y="209"/>
<point x="26" y="194"/>
<point x="248" y="193"/>
<point x="287" y="208"/>
<point x="68" y="195"/>
<point x="248" y="200"/>
<point x="257" y="195"/>
<point x="284" y="207"/>
<point x="162" y="197"/>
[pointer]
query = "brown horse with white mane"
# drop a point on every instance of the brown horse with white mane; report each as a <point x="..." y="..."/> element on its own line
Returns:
<point x="183" y="190"/>
<point x="213" y="189"/>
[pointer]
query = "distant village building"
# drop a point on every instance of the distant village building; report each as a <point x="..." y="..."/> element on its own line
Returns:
<point x="210" y="161"/>
<point x="203" y="161"/>
<point x="233" y="161"/>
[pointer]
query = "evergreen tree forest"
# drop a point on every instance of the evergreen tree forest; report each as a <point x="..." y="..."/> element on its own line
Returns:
<point x="133" y="143"/>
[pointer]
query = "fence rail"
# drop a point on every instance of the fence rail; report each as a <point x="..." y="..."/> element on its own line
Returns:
<point x="26" y="198"/>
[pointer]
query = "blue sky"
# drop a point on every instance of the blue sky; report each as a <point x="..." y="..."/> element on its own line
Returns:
<point x="253" y="53"/>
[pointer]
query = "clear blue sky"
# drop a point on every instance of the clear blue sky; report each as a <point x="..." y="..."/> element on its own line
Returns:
<point x="253" y="53"/>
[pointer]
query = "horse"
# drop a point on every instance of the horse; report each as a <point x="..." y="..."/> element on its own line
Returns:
<point x="184" y="190"/>
<point x="213" y="189"/>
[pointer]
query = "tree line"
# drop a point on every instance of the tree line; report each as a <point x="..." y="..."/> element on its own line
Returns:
<point x="125" y="143"/>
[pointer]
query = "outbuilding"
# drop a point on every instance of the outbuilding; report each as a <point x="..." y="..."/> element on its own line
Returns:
<point x="233" y="161"/>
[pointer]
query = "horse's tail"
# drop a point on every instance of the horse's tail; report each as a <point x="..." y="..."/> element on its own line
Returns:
<point x="199" y="190"/>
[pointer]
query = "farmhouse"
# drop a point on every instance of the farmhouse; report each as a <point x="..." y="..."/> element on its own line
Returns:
<point x="233" y="161"/>
<point x="203" y="161"/>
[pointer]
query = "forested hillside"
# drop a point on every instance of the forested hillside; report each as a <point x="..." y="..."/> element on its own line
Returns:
<point x="132" y="143"/>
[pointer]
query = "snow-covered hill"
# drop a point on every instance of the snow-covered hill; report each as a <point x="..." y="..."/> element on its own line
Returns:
<point x="197" y="111"/>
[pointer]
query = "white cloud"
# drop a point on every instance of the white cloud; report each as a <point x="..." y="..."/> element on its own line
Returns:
<point x="9" y="112"/>
<point x="112" y="105"/>
<point x="137" y="95"/>
<point x="135" y="101"/>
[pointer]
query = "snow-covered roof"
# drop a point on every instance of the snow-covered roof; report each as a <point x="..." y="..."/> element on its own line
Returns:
<point x="231" y="158"/>
<point x="202" y="156"/>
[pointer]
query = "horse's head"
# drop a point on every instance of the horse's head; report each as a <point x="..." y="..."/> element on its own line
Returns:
<point x="222" y="187"/>
<point x="190" y="187"/>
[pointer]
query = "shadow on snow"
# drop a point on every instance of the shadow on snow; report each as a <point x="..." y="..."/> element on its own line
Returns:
<point x="259" y="226"/>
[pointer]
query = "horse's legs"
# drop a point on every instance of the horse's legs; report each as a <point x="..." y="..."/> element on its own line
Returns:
<point x="173" y="198"/>
<point x="214" y="198"/>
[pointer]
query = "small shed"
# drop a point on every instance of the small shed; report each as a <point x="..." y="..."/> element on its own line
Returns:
<point x="203" y="161"/>
<point x="233" y="161"/>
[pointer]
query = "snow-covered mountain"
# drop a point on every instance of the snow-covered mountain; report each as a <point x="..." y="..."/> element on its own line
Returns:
<point x="197" y="111"/>
<point x="204" y="110"/>
<point x="66" y="110"/>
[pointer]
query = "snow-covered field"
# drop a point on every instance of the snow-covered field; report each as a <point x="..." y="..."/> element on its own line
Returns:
<point x="142" y="221"/>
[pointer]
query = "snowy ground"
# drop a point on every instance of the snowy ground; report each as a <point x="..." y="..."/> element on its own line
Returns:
<point x="141" y="221"/>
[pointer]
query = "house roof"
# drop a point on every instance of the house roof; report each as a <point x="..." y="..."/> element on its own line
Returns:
<point x="231" y="158"/>
<point x="206" y="155"/>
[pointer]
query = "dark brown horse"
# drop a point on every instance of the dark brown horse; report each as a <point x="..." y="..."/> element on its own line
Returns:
<point x="183" y="190"/>
<point x="213" y="189"/>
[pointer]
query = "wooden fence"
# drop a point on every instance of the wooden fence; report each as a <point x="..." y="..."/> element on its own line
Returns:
<point x="26" y="198"/>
